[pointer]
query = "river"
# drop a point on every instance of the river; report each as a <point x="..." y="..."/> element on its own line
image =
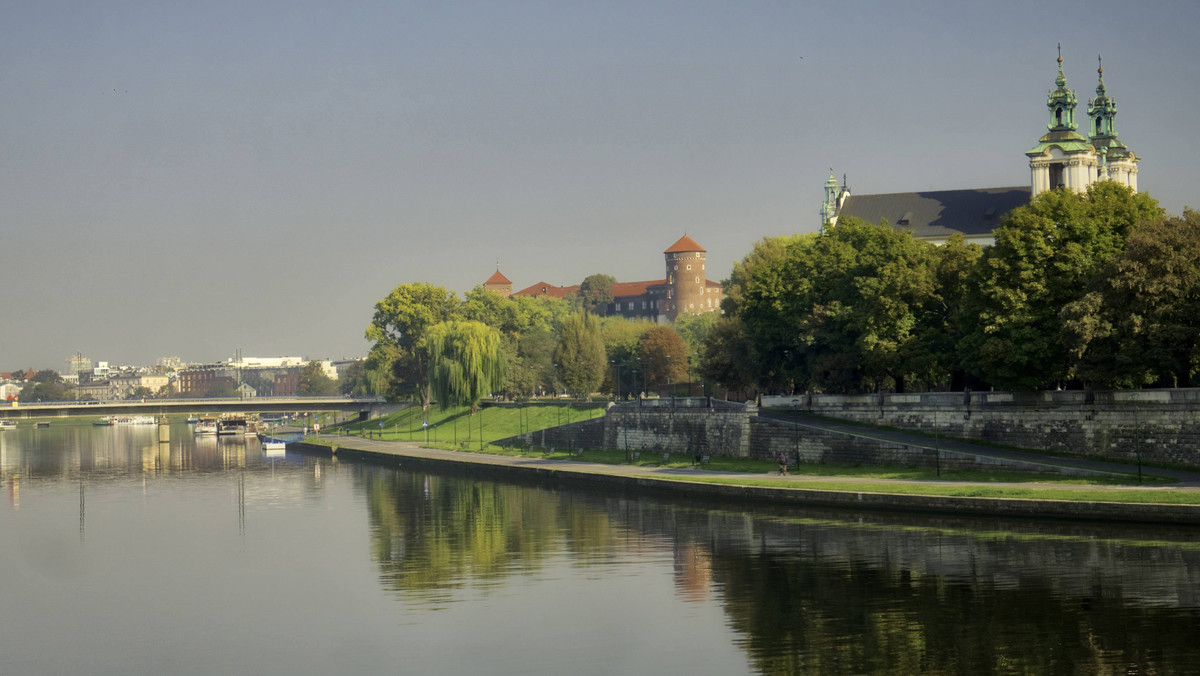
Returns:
<point x="123" y="555"/>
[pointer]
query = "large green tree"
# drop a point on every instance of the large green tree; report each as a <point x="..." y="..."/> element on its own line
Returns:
<point x="46" y="385"/>
<point x="663" y="353"/>
<point x="1140" y="322"/>
<point x="596" y="293"/>
<point x="580" y="354"/>
<point x="313" y="380"/>
<point x="840" y="311"/>
<point x="397" y="329"/>
<point x="1046" y="256"/>
<point x="466" y="362"/>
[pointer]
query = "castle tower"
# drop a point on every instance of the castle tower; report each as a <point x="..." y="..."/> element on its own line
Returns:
<point x="687" y="285"/>
<point x="1117" y="162"/>
<point x="499" y="283"/>
<point x="1063" y="157"/>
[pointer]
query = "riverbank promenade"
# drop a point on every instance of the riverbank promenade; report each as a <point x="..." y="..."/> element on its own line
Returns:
<point x="794" y="489"/>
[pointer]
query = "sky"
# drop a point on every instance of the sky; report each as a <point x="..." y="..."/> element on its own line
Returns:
<point x="192" y="179"/>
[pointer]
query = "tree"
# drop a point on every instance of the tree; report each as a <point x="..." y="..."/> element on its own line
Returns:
<point x="313" y="380"/>
<point x="465" y="360"/>
<point x="727" y="356"/>
<point x="46" y="385"/>
<point x="663" y="354"/>
<point x="400" y="322"/>
<point x="1046" y="256"/>
<point x="596" y="293"/>
<point x="838" y="311"/>
<point x="1140" y="322"/>
<point x="140" y="392"/>
<point x="621" y="337"/>
<point x="580" y="354"/>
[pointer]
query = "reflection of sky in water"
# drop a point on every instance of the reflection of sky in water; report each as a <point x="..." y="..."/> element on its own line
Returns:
<point x="207" y="556"/>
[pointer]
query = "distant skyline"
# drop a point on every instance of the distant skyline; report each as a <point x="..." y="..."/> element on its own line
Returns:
<point x="190" y="179"/>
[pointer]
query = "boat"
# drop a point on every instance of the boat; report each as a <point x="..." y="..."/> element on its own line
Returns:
<point x="227" y="426"/>
<point x="274" y="445"/>
<point x="6" y="424"/>
<point x="205" y="426"/>
<point x="192" y="420"/>
<point x="42" y="425"/>
<point x="124" y="420"/>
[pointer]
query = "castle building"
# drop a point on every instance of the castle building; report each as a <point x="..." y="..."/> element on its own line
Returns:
<point x="685" y="288"/>
<point x="1063" y="158"/>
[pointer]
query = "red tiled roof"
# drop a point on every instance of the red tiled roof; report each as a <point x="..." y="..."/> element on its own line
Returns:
<point x="630" y="289"/>
<point x="544" y="289"/>
<point x="498" y="279"/>
<point x="685" y="243"/>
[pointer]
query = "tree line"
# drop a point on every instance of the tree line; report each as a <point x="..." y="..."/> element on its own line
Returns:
<point x="1084" y="290"/>
<point x="1098" y="289"/>
<point x="429" y="345"/>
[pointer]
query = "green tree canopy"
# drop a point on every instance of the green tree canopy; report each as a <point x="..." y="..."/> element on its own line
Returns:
<point x="313" y="380"/>
<point x="580" y="354"/>
<point x="466" y="362"/>
<point x="596" y="292"/>
<point x="1046" y="256"/>
<point x="1140" y="322"/>
<point x="663" y="353"/>
<point x="398" y="327"/>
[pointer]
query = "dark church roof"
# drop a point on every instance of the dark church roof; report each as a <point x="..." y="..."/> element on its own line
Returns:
<point x="938" y="213"/>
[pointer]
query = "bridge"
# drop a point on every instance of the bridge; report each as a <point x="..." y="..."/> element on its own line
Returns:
<point x="367" y="407"/>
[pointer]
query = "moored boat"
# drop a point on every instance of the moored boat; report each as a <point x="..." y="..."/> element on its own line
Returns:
<point x="205" y="426"/>
<point x="6" y="424"/>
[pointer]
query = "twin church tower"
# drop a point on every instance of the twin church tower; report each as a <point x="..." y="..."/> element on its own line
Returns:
<point x="1063" y="158"/>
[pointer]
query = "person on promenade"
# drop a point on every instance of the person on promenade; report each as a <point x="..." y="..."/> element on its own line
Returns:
<point x="782" y="463"/>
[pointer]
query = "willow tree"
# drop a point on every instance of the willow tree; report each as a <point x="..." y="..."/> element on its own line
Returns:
<point x="466" y="362"/>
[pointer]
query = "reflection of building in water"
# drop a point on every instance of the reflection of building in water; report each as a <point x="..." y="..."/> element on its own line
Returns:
<point x="693" y="571"/>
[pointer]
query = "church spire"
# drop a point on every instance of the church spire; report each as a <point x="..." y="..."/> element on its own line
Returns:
<point x="1102" y="111"/>
<point x="1061" y="101"/>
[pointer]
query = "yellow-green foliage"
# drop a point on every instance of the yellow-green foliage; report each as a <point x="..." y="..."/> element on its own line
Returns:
<point x="465" y="362"/>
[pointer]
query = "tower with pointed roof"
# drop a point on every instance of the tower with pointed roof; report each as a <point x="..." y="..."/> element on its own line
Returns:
<point x="499" y="283"/>
<point x="1117" y="162"/>
<point x="1063" y="157"/>
<point x="687" y="282"/>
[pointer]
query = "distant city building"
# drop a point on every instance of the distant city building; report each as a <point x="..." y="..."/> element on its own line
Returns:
<point x="78" y="364"/>
<point x="1063" y="158"/>
<point x="685" y="288"/>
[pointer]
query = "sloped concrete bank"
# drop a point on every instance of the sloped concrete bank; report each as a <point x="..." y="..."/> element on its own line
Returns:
<point x="674" y="482"/>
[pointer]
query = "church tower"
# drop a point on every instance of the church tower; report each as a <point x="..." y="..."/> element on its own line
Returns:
<point x="1063" y="157"/>
<point x="1117" y="162"/>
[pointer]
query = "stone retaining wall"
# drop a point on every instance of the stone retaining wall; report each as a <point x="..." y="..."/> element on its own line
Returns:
<point x="1163" y="426"/>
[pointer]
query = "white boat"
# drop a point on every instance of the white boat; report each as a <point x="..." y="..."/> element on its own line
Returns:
<point x="132" y="420"/>
<point x="205" y="426"/>
<point x="6" y="424"/>
<point x="274" y="445"/>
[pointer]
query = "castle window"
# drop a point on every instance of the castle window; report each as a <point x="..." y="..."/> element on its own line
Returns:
<point x="697" y="280"/>
<point x="676" y="266"/>
<point x="689" y="267"/>
<point x="1058" y="117"/>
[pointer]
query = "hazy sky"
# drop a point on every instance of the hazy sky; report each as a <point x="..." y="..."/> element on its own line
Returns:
<point x="188" y="179"/>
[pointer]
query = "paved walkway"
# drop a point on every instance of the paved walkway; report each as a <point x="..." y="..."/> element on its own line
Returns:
<point x="402" y="449"/>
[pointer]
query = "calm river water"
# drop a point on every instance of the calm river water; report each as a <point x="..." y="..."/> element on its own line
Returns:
<point x="121" y="555"/>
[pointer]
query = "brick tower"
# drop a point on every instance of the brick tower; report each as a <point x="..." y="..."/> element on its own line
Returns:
<point x="686" y="282"/>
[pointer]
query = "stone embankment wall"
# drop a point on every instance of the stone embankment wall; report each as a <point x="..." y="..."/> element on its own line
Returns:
<point x="1163" y="426"/>
<point x="703" y="426"/>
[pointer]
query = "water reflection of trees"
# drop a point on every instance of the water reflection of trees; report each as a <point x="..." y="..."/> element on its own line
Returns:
<point x="819" y="595"/>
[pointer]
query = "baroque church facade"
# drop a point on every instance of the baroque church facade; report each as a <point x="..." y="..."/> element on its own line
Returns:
<point x="684" y="289"/>
<point x="1063" y="158"/>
